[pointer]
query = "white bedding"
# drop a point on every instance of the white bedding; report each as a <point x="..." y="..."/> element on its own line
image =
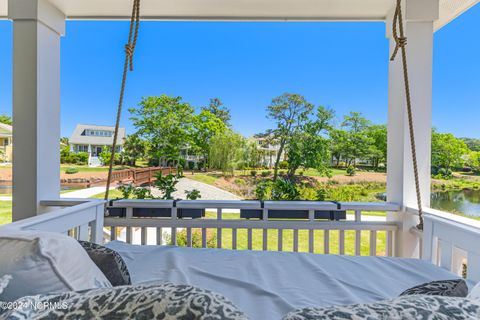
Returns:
<point x="267" y="285"/>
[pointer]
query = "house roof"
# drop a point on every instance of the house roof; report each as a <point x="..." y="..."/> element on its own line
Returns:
<point x="245" y="10"/>
<point x="5" y="130"/>
<point x="78" y="136"/>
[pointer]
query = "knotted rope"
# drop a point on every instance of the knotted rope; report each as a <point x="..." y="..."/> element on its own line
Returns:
<point x="401" y="42"/>
<point x="128" y="65"/>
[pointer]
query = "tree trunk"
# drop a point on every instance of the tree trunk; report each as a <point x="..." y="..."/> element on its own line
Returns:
<point x="277" y="161"/>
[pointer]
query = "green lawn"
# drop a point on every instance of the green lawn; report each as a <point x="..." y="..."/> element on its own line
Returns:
<point x="287" y="239"/>
<point x="5" y="212"/>
<point x="202" y="177"/>
<point x="112" y="194"/>
<point x="85" y="168"/>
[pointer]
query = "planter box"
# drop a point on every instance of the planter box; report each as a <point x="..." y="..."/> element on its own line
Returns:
<point x="288" y="214"/>
<point x="330" y="215"/>
<point x="117" y="212"/>
<point x="190" y="213"/>
<point x="251" y="214"/>
<point x="152" y="212"/>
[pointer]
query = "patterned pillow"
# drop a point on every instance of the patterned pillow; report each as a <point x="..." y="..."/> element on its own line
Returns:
<point x="449" y="288"/>
<point x="417" y="307"/>
<point x="109" y="262"/>
<point x="159" y="301"/>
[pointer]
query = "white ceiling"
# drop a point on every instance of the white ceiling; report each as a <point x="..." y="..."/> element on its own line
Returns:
<point x="275" y="10"/>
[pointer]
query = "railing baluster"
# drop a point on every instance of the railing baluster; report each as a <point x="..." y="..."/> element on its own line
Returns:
<point x="373" y="243"/>
<point x="143" y="235"/>
<point x="129" y="235"/>
<point x="358" y="242"/>
<point x="174" y="236"/>
<point x="204" y="237"/>
<point x="265" y="239"/>
<point x="358" y="215"/>
<point x="326" y="241"/>
<point x="280" y="239"/>
<point x="295" y="240"/>
<point x="113" y="233"/>
<point x="219" y="230"/>
<point x="341" y="242"/>
<point x="311" y="241"/>
<point x="189" y="237"/>
<point x="234" y="238"/>
<point x="249" y="238"/>
<point x="159" y="236"/>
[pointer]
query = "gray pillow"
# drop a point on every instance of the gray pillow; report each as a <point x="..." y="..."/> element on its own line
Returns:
<point x="45" y="262"/>
<point x="418" y="307"/>
<point x="448" y="288"/>
<point x="109" y="262"/>
<point x="159" y="301"/>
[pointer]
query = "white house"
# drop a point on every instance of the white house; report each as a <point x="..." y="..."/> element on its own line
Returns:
<point x="93" y="138"/>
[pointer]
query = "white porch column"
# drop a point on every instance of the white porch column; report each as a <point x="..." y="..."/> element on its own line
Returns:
<point x="419" y="17"/>
<point x="37" y="28"/>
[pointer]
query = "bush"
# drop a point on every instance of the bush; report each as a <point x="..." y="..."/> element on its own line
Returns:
<point x="300" y="173"/>
<point x="282" y="172"/>
<point x="196" y="238"/>
<point x="71" y="170"/>
<point x="262" y="190"/>
<point x="266" y="173"/>
<point x="253" y="173"/>
<point x="351" y="171"/>
<point x="283" y="164"/>
<point x="193" y="194"/>
<point x="284" y="189"/>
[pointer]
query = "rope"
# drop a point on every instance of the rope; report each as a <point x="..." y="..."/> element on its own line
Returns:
<point x="128" y="65"/>
<point x="401" y="42"/>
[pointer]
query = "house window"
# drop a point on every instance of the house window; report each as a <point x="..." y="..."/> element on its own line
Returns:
<point x="5" y="142"/>
<point x="82" y="148"/>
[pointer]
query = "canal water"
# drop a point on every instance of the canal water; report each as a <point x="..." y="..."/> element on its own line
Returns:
<point x="461" y="201"/>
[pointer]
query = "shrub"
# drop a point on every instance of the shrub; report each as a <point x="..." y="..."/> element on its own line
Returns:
<point x="167" y="184"/>
<point x="253" y="173"/>
<point x="126" y="190"/>
<point x="351" y="171"/>
<point x="284" y="189"/>
<point x="281" y="172"/>
<point x="266" y="173"/>
<point x="142" y="193"/>
<point x="196" y="238"/>
<point x="193" y="194"/>
<point x="283" y="164"/>
<point x="262" y="190"/>
<point x="300" y="173"/>
<point x="239" y="182"/>
<point x="81" y="158"/>
<point x="71" y="170"/>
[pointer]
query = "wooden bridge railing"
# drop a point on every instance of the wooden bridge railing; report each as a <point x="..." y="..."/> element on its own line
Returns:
<point x="139" y="176"/>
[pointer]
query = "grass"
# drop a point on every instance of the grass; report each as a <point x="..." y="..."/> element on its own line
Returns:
<point x="202" y="177"/>
<point x="5" y="212"/>
<point x="112" y="194"/>
<point x="315" y="173"/>
<point x="85" y="168"/>
<point x="303" y="235"/>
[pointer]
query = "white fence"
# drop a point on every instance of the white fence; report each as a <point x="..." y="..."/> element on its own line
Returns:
<point x="282" y="225"/>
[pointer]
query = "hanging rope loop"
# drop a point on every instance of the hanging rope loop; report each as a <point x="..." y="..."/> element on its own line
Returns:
<point x="398" y="34"/>
<point x="128" y="65"/>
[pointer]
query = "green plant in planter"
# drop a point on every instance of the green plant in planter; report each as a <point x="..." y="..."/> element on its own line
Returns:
<point x="166" y="184"/>
<point x="193" y="194"/>
<point x="71" y="170"/>
<point x="351" y="171"/>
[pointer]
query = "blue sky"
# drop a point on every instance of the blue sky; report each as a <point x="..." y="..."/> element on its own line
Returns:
<point x="340" y="65"/>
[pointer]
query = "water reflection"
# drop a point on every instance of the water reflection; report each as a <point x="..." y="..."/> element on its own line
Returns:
<point x="465" y="201"/>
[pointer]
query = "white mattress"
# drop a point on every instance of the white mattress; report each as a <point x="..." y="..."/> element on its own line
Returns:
<point x="267" y="285"/>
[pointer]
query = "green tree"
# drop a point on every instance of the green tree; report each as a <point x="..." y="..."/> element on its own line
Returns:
<point x="473" y="161"/>
<point x="133" y="148"/>
<point x="358" y="142"/>
<point x="252" y="154"/>
<point x="447" y="150"/>
<point x="217" y="108"/>
<point x="378" y="148"/>
<point x="6" y="119"/>
<point x="309" y="146"/>
<point x="472" y="143"/>
<point x="166" y="122"/>
<point x="290" y="112"/>
<point x="206" y="126"/>
<point x="338" y="144"/>
<point x="226" y="151"/>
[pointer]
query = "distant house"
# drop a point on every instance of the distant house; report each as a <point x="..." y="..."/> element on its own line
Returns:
<point x="6" y="143"/>
<point x="268" y="151"/>
<point x="93" y="138"/>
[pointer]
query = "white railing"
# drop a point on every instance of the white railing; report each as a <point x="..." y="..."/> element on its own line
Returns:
<point x="311" y="226"/>
<point x="82" y="219"/>
<point x="452" y="242"/>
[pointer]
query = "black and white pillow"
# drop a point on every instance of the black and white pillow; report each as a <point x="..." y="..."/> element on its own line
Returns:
<point x="448" y="288"/>
<point x="419" y="307"/>
<point x="109" y="262"/>
<point x="160" y="301"/>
